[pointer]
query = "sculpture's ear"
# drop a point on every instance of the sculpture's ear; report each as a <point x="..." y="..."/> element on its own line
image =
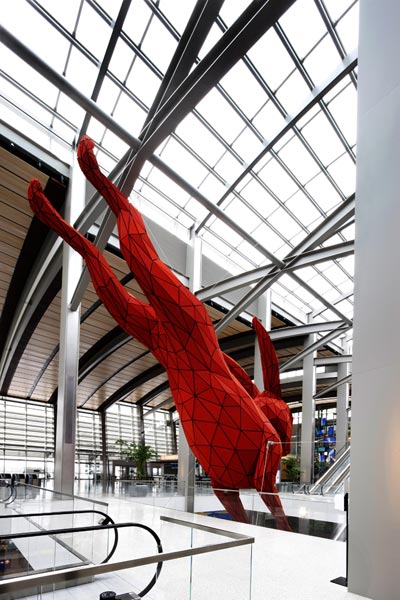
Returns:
<point x="241" y="376"/>
<point x="269" y="360"/>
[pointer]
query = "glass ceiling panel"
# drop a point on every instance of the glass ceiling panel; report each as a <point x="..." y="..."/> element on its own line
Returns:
<point x="278" y="180"/>
<point x="202" y="141"/>
<point x="220" y="115"/>
<point x="343" y="171"/>
<point x="136" y="21"/>
<point x="287" y="226"/>
<point x="111" y="7"/>
<point x="323" y="191"/>
<point x="299" y="160"/>
<point x="81" y="72"/>
<point x="159" y="45"/>
<point x="347" y="29"/>
<point x="237" y="211"/>
<point x="269" y="121"/>
<point x="303" y="25"/>
<point x="244" y="89"/>
<point x="259" y="199"/>
<point x="252" y="254"/>
<point x="65" y="13"/>
<point x="212" y="38"/>
<point x="344" y="110"/>
<point x="70" y="110"/>
<point x="293" y="93"/>
<point x="143" y="82"/>
<point x="248" y="145"/>
<point x="121" y="60"/>
<point x="195" y="209"/>
<point x="323" y="139"/>
<point x="302" y="208"/>
<point x="90" y="21"/>
<point x="336" y="8"/>
<point x="108" y="96"/>
<point x="178" y="13"/>
<point x="212" y="188"/>
<point x="322" y="61"/>
<point x="129" y="114"/>
<point x="232" y="9"/>
<point x="271" y="59"/>
<point x="228" y="167"/>
<point x="267" y="238"/>
<point x="183" y="162"/>
<point x="226" y="233"/>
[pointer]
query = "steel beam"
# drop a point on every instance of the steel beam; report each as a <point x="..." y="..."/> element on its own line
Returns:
<point x="245" y="279"/>
<point x="317" y="236"/>
<point x="314" y="346"/>
<point x="332" y="387"/>
<point x="326" y="361"/>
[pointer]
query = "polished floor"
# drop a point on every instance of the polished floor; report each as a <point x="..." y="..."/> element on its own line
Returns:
<point x="279" y="566"/>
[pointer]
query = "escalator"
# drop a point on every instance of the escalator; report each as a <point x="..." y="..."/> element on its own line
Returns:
<point x="44" y="541"/>
<point x="333" y="479"/>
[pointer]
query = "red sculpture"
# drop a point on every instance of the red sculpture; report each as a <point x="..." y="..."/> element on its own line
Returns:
<point x="233" y="430"/>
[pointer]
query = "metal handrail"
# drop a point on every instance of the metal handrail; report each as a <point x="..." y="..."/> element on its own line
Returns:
<point x="331" y="471"/>
<point x="107" y="520"/>
<point x="11" y="496"/>
<point x="54" y="532"/>
<point x="44" y="489"/>
<point x="71" y="574"/>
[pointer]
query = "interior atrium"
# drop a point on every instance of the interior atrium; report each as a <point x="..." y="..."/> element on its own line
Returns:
<point x="233" y="127"/>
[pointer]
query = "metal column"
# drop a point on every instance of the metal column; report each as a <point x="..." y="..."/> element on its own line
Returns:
<point x="69" y="344"/>
<point x="264" y="315"/>
<point x="374" y="517"/>
<point x="342" y="406"/>
<point x="186" y="459"/>
<point x="308" y="415"/>
<point x="104" y="455"/>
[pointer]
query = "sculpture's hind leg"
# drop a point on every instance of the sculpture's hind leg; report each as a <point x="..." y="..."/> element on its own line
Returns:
<point x="231" y="501"/>
<point x="264" y="481"/>
<point x="134" y="316"/>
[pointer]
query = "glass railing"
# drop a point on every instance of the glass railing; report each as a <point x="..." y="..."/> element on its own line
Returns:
<point x="42" y="530"/>
<point x="189" y="570"/>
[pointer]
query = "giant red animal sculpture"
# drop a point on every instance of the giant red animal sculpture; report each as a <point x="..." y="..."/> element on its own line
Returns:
<point x="233" y="430"/>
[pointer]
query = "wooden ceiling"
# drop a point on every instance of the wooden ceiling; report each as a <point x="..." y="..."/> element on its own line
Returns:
<point x="111" y="366"/>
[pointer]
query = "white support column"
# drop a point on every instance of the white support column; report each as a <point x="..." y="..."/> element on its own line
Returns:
<point x="186" y="459"/>
<point x="374" y="516"/>
<point x="64" y="471"/>
<point x="342" y="406"/>
<point x="264" y="315"/>
<point x="308" y="414"/>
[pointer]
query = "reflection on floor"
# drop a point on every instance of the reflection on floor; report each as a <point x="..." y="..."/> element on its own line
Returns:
<point x="324" y="529"/>
<point x="282" y="565"/>
<point x="12" y="562"/>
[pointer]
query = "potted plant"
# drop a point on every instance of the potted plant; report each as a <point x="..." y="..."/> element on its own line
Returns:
<point x="137" y="453"/>
<point x="290" y="468"/>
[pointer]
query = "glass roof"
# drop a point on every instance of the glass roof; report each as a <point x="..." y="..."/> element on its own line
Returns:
<point x="264" y="106"/>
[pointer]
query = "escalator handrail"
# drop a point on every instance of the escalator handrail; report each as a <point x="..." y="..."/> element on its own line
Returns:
<point x="328" y="474"/>
<point x="107" y="520"/>
<point x="12" y="493"/>
<point x="45" y="489"/>
<point x="97" y="528"/>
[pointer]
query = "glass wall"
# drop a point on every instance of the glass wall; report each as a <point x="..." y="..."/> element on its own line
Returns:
<point x="27" y="437"/>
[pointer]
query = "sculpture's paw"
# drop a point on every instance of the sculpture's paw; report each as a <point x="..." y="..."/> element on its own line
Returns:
<point x="86" y="157"/>
<point x="35" y="195"/>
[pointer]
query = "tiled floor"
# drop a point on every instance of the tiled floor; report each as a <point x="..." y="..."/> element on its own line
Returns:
<point x="283" y="566"/>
